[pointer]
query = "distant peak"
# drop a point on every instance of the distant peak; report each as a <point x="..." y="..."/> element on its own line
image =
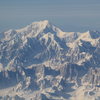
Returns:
<point x="38" y="25"/>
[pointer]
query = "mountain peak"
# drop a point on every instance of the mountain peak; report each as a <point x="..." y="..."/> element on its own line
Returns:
<point x="37" y="27"/>
<point x="40" y="27"/>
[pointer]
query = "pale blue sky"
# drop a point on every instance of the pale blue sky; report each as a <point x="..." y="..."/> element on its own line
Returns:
<point x="69" y="15"/>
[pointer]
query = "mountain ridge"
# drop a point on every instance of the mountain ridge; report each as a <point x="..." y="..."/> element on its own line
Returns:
<point x="42" y="59"/>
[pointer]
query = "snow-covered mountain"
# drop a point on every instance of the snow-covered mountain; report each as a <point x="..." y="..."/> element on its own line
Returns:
<point x="41" y="62"/>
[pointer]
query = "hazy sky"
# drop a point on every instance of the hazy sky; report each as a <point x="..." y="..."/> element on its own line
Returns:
<point x="69" y="15"/>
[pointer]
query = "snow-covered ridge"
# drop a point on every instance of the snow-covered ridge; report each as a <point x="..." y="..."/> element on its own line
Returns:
<point x="41" y="62"/>
<point x="37" y="28"/>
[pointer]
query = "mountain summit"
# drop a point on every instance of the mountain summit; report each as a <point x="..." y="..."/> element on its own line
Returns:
<point x="41" y="62"/>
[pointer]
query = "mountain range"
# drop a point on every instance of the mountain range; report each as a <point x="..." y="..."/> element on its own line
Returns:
<point x="42" y="62"/>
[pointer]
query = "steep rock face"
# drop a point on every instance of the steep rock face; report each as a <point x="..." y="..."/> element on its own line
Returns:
<point x="42" y="59"/>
